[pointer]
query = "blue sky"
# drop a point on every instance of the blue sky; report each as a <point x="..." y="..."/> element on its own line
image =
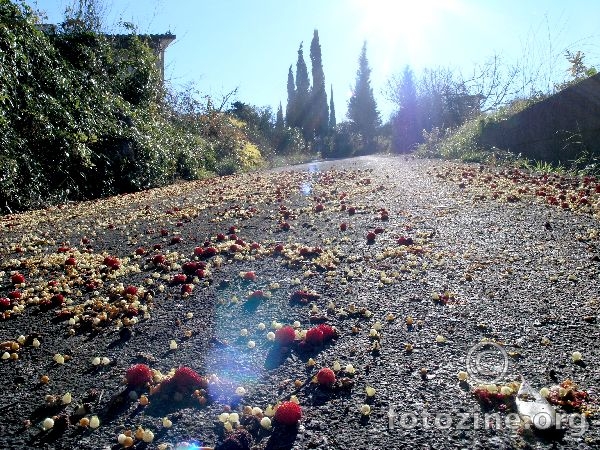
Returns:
<point x="250" y="44"/>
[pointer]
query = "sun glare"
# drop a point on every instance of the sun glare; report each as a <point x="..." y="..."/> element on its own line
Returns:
<point x="409" y="27"/>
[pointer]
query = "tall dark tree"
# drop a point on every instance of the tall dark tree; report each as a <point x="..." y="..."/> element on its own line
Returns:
<point x="279" y="120"/>
<point x="302" y="101"/>
<point x="290" y="109"/>
<point x="332" y="121"/>
<point x="405" y="122"/>
<point x="319" y="112"/>
<point x="362" y="108"/>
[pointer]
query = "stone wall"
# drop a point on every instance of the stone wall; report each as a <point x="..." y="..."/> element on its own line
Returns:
<point x="555" y="129"/>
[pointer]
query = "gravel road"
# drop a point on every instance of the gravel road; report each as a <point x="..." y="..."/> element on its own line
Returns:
<point x="427" y="271"/>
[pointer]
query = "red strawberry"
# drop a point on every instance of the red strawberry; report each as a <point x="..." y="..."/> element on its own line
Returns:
<point x="250" y="276"/>
<point x="221" y="237"/>
<point x="112" y="262"/>
<point x="57" y="300"/>
<point x="140" y="251"/>
<point x="138" y="375"/>
<point x="257" y="294"/>
<point x="210" y="251"/>
<point x="179" y="279"/>
<point x="176" y="240"/>
<point x="403" y="240"/>
<point x="284" y="226"/>
<point x="159" y="259"/>
<point x="314" y="336"/>
<point x="190" y="267"/>
<point x="4" y="303"/>
<point x="328" y="331"/>
<point x="187" y="288"/>
<point x="371" y="236"/>
<point x="186" y="379"/>
<point x="130" y="290"/>
<point x="278" y="248"/>
<point x="351" y="210"/>
<point x="255" y="246"/>
<point x="70" y="261"/>
<point x="326" y="376"/>
<point x="198" y="251"/>
<point x="288" y="413"/>
<point x="285" y="336"/>
<point x="343" y="226"/>
<point x="319" y="207"/>
<point x="18" y="278"/>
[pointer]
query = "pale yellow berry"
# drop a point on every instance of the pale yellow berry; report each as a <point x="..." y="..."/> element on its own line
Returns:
<point x="492" y="388"/>
<point x="94" y="422"/>
<point x="265" y="422"/>
<point x="545" y="392"/>
<point x="167" y="422"/>
<point x="365" y="410"/>
<point x="240" y="390"/>
<point x="66" y="399"/>
<point x="147" y="436"/>
<point x="48" y="423"/>
<point x="370" y="391"/>
<point x="506" y="390"/>
<point x="576" y="356"/>
<point x="462" y="375"/>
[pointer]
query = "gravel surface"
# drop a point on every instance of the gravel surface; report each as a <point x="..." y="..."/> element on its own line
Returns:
<point x="443" y="270"/>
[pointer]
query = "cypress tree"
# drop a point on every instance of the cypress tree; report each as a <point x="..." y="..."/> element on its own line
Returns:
<point x="319" y="114"/>
<point x="405" y="127"/>
<point x="362" y="108"/>
<point x="290" y="110"/>
<point x="332" y="121"/>
<point x="279" y="120"/>
<point x="302" y="100"/>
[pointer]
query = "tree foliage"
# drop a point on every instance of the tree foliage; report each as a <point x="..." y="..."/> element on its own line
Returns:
<point x="406" y="130"/>
<point x="83" y="115"/>
<point x="362" y="108"/>
<point x="319" y="111"/>
<point x="332" y="119"/>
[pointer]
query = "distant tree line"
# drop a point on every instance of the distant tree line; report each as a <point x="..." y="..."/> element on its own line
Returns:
<point x="308" y="110"/>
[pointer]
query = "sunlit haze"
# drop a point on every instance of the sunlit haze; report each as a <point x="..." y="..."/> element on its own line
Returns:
<point x="251" y="44"/>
